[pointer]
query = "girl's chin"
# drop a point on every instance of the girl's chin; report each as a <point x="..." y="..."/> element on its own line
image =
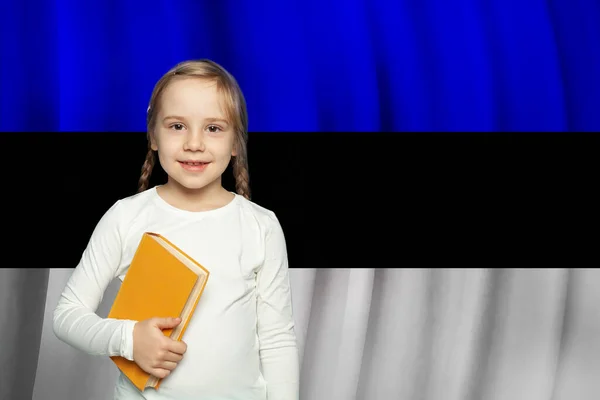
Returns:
<point x="194" y="184"/>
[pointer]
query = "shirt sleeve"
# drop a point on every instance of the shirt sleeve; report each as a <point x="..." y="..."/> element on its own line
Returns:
<point x="277" y="339"/>
<point x="75" y="320"/>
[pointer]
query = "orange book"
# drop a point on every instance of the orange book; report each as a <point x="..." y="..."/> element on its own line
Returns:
<point x="162" y="281"/>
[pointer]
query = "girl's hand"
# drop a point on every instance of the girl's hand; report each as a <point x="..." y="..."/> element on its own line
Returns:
<point x="155" y="353"/>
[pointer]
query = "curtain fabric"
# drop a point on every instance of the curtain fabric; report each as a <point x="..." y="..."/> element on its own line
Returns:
<point x="22" y="299"/>
<point x="365" y="334"/>
<point x="346" y="65"/>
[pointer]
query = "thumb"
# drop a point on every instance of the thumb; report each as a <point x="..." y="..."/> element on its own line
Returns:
<point x="167" y="323"/>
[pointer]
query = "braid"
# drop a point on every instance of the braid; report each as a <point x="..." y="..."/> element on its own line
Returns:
<point x="242" y="178"/>
<point x="146" y="171"/>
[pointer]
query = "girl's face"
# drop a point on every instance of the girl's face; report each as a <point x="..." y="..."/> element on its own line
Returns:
<point x="192" y="136"/>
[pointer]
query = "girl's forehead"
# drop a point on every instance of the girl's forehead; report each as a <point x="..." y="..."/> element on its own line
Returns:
<point x="191" y="89"/>
<point x="193" y="96"/>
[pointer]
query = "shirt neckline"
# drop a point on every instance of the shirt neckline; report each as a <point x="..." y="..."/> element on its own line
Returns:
<point x="194" y="214"/>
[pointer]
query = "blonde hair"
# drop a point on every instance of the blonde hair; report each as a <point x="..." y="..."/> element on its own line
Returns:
<point x="235" y="112"/>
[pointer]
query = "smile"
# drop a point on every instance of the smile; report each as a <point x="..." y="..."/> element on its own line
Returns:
<point x="193" y="165"/>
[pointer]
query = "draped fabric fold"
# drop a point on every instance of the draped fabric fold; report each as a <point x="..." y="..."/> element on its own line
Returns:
<point x="22" y="298"/>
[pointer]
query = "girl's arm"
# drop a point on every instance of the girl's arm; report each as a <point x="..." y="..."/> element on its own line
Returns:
<point x="277" y="340"/>
<point x="75" y="320"/>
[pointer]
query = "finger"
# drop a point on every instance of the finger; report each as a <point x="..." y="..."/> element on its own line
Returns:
<point x="177" y="347"/>
<point x="168" y="365"/>
<point x="167" y="323"/>
<point x="160" y="372"/>
<point x="170" y="356"/>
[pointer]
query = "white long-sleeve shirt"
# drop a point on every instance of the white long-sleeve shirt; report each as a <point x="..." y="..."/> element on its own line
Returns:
<point x="240" y="342"/>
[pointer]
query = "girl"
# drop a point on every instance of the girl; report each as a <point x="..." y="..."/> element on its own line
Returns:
<point x="240" y="343"/>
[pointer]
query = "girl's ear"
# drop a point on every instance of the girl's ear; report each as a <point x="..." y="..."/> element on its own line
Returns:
<point x="153" y="145"/>
<point x="234" y="151"/>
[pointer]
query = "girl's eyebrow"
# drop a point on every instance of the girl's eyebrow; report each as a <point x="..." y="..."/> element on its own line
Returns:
<point x="212" y="119"/>
<point x="223" y="121"/>
<point x="172" y="117"/>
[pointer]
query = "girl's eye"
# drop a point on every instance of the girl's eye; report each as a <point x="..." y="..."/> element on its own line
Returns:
<point x="213" y="129"/>
<point x="177" y="127"/>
